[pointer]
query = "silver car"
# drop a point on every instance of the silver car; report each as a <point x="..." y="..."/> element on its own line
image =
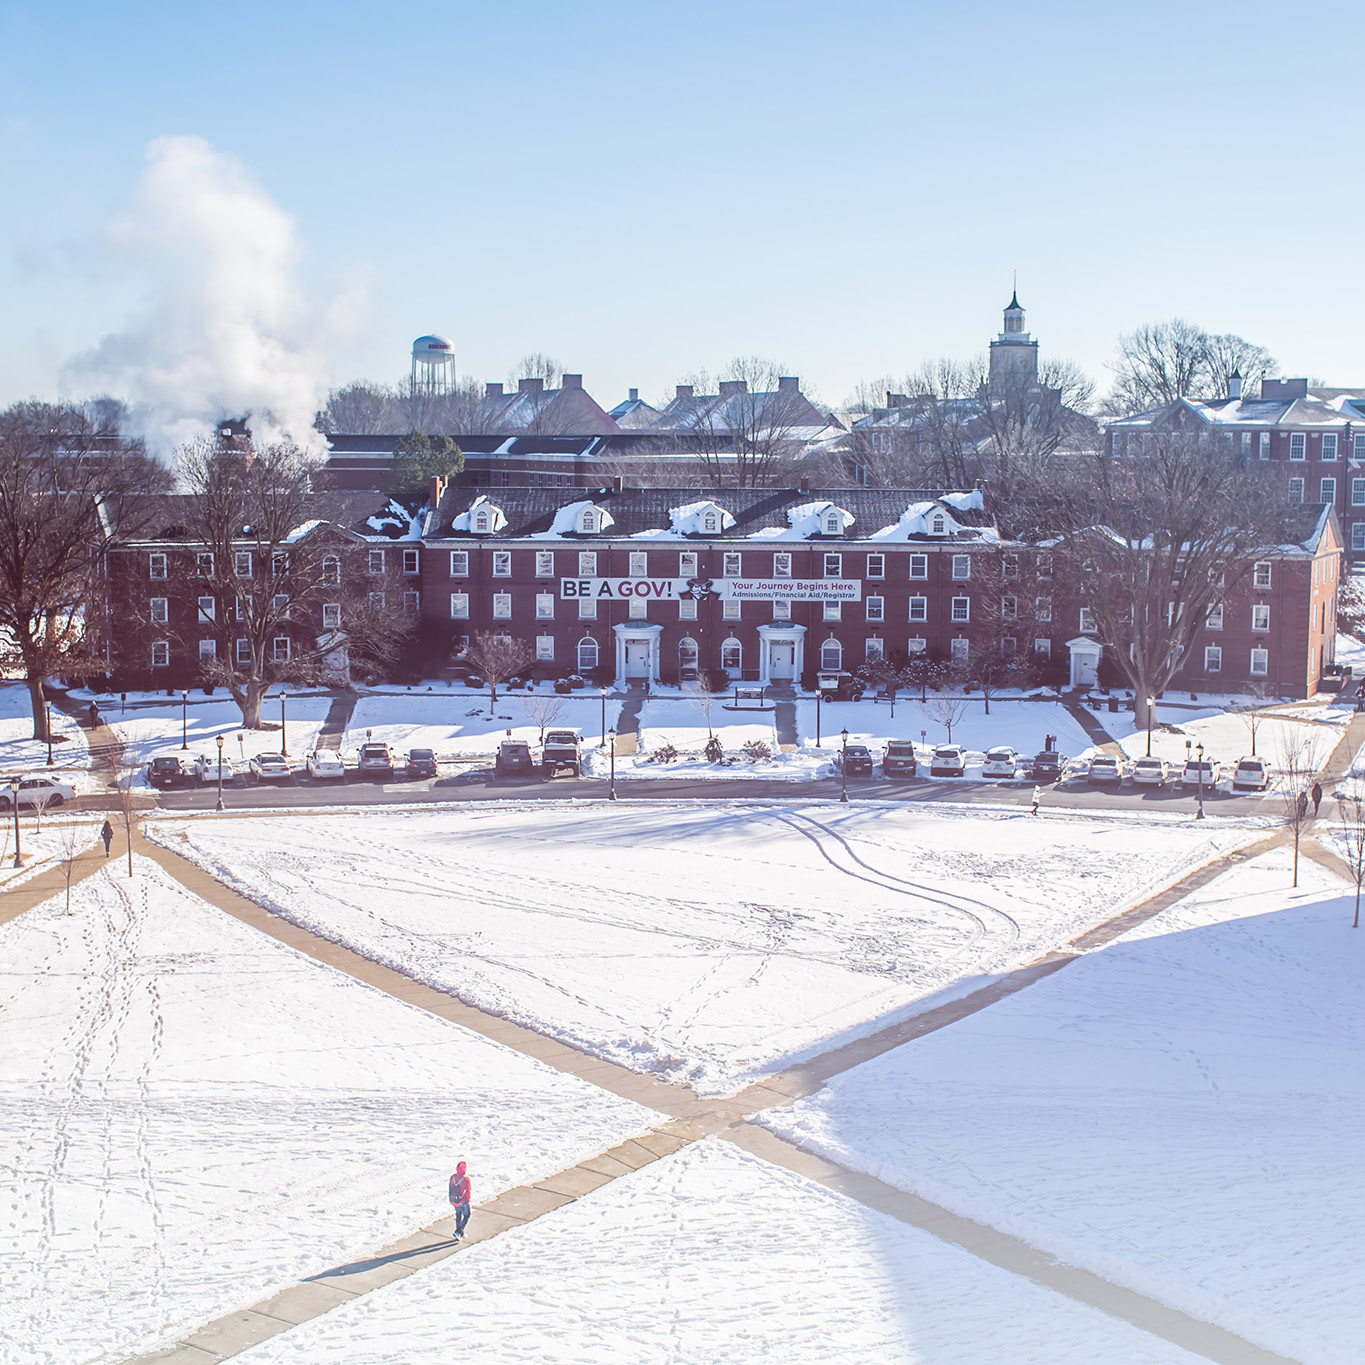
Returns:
<point x="38" y="791"/>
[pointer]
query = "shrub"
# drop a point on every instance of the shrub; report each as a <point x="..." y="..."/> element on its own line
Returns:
<point x="665" y="753"/>
<point x="715" y="752"/>
<point x="756" y="751"/>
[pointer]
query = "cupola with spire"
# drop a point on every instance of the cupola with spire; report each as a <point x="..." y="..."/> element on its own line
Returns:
<point x="1014" y="354"/>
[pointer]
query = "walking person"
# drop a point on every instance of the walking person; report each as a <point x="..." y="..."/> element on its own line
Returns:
<point x="459" y="1199"/>
<point x="1317" y="797"/>
<point x="1303" y="805"/>
<point x="107" y="834"/>
<point x="1037" y="797"/>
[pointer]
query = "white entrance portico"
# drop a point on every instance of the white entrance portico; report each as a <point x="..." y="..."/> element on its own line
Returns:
<point x="1085" y="661"/>
<point x="637" y="652"/>
<point x="781" y="652"/>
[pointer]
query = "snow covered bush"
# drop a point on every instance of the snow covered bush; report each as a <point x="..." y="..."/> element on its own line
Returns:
<point x="665" y="753"/>
<point x="756" y="751"/>
<point x="715" y="751"/>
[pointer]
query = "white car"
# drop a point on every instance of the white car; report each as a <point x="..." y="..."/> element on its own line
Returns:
<point x="1211" y="772"/>
<point x="1000" y="762"/>
<point x="206" y="768"/>
<point x="1251" y="774"/>
<point x="324" y="765"/>
<point x="1151" y="772"/>
<point x="38" y="791"/>
<point x="1106" y="770"/>
<point x="949" y="760"/>
<point x="270" y="768"/>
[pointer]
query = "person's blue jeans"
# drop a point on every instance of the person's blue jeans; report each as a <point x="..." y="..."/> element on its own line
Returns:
<point x="461" y="1218"/>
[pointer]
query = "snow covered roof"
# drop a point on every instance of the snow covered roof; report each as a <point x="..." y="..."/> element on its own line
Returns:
<point x="1331" y="413"/>
<point x="948" y="517"/>
<point x="469" y="520"/>
<point x="569" y="521"/>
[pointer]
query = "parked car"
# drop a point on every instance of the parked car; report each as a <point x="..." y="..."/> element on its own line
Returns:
<point x="1001" y="761"/>
<point x="324" y="764"/>
<point x="1251" y="774"/>
<point x="206" y="768"/>
<point x="421" y="763"/>
<point x="949" y="760"/>
<point x="38" y="791"/>
<point x="1106" y="770"/>
<point x="1210" y="769"/>
<point x="856" y="760"/>
<point x="560" y="750"/>
<point x="514" y="756"/>
<point x="376" y="760"/>
<point x="167" y="770"/>
<point x="1048" y="766"/>
<point x="269" y="768"/>
<point x="1151" y="772"/>
<point x="898" y="759"/>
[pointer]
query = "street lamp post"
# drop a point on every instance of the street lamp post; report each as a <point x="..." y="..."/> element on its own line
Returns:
<point x="184" y="718"/>
<point x="47" y="721"/>
<point x="843" y="767"/>
<point x="14" y="801"/>
<point x="1199" y="749"/>
<point x="1151" y="706"/>
<point x="284" y="735"/>
<point x="819" y="697"/>
<point x="220" y="772"/>
<point x="601" y="743"/>
<point x="611" y="790"/>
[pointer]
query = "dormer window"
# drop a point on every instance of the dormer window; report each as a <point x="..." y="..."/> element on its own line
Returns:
<point x="483" y="522"/>
<point x="710" y="523"/>
<point x="832" y="526"/>
<point x="938" y="524"/>
<point x="588" y="521"/>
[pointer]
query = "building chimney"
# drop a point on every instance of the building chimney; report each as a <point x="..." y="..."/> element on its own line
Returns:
<point x="492" y="390"/>
<point x="684" y="390"/>
<point x="530" y="385"/>
<point x="803" y="485"/>
<point x="635" y="395"/>
<point x="788" y="383"/>
<point x="618" y="484"/>
<point x="730" y="387"/>
<point x="1235" y="385"/>
<point x="571" y="381"/>
<point x="437" y="492"/>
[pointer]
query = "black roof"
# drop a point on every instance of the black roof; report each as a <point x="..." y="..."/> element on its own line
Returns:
<point x="169" y="516"/>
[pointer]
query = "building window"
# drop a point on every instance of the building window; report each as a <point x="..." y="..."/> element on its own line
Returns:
<point x="1087" y="622"/>
<point x="916" y="644"/>
<point x="687" y="565"/>
<point x="160" y="609"/>
<point x="639" y="563"/>
<point x="962" y="608"/>
<point x="1213" y="658"/>
<point x="687" y="609"/>
<point x="876" y="608"/>
<point x="243" y="651"/>
<point x="279" y="648"/>
<point x="919" y="566"/>
<point x="331" y="571"/>
<point x="280" y="602"/>
<point x="545" y="563"/>
<point x="731" y="566"/>
<point x="587" y="564"/>
<point x="1009" y="608"/>
<point x="545" y="606"/>
<point x="1296" y="490"/>
<point x="782" y="610"/>
<point x="587" y="654"/>
<point x="459" y="606"/>
<point x="331" y="616"/>
<point x="689" y="653"/>
<point x="639" y="609"/>
<point x="1246" y="445"/>
<point x="1009" y="566"/>
<point x="502" y="564"/>
<point x="832" y="523"/>
<point x="876" y="566"/>
<point x="919" y="608"/>
<point x="208" y="609"/>
<point x="1044" y="566"/>
<point x="834" y="566"/>
<point x="1042" y="649"/>
<point x="1329" y="445"/>
<point x="1042" y="608"/>
<point x="831" y="656"/>
<point x="731" y="655"/>
<point x="1260" y="663"/>
<point x="959" y="649"/>
<point x="157" y="563"/>
<point x="502" y="606"/>
<point x="873" y="648"/>
<point x="203" y="565"/>
<point x="1358" y="535"/>
<point x="588" y="522"/>
<point x="376" y="562"/>
<point x="1327" y="490"/>
<point x="161" y="654"/>
<point x="1265" y="445"/>
<point x="459" y="563"/>
<point x="483" y="521"/>
<point x="1260" y="616"/>
<point x="938" y="524"/>
<point x="1260" y="574"/>
<point x="1357" y="495"/>
<point x="412" y="601"/>
<point x="1298" y="445"/>
<point x="545" y="648"/>
<point x="1214" y="619"/>
<point x="962" y="566"/>
<point x="208" y="651"/>
<point x="587" y="609"/>
<point x="241" y="564"/>
<point x="378" y="601"/>
<point x="710" y="522"/>
<point x="831" y="611"/>
<point x="730" y="610"/>
<point x="1358" y="443"/>
<point x="1008" y="645"/>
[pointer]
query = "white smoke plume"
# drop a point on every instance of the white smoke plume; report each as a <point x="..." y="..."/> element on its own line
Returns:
<point x="228" y="330"/>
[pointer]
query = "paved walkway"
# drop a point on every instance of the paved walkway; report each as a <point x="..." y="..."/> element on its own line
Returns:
<point x="1095" y="732"/>
<point x="690" y="1117"/>
<point x="338" y="718"/>
<point x="628" y="723"/>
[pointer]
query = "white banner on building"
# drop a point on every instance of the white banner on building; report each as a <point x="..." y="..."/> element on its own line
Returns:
<point x="700" y="589"/>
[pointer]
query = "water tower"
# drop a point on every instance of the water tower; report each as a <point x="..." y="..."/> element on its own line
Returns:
<point x="433" y="366"/>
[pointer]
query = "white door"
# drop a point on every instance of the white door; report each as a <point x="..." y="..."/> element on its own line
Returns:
<point x="1085" y="669"/>
<point x="781" y="660"/>
<point x="637" y="658"/>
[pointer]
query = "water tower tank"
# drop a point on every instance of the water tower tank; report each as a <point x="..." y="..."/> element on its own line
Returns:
<point x="433" y="365"/>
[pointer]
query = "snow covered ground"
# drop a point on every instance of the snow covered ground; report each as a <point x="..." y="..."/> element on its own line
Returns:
<point x="1179" y="1112"/>
<point x="45" y="839"/>
<point x="709" y="944"/>
<point x="193" y="1116"/>
<point x="679" y="723"/>
<point x="712" y="1255"/>
<point x="20" y="752"/>
<point x="456" y="721"/>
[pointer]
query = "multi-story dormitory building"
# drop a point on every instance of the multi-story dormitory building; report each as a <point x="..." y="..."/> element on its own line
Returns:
<point x="771" y="585"/>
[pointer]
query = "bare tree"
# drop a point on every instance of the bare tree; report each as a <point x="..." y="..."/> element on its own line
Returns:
<point x="1295" y="762"/>
<point x="537" y="365"/>
<point x="360" y="408"/>
<point x="948" y="709"/>
<point x="70" y="846"/>
<point x="891" y="673"/>
<point x="1352" y="839"/>
<point x="701" y="699"/>
<point x="126" y="802"/>
<point x="543" y="709"/>
<point x="1253" y="712"/>
<point x="1160" y="362"/>
<point x="498" y="658"/>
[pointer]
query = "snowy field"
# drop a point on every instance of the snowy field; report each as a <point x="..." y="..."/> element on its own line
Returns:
<point x="456" y="721"/>
<point x="679" y="723"/>
<point x="20" y="752"/>
<point x="712" y="945"/>
<point x="193" y="1116"/>
<point x="45" y="839"/>
<point x="1179" y="1112"/>
<point x="151" y="728"/>
<point x="708" y="1256"/>
<point x="1024" y="724"/>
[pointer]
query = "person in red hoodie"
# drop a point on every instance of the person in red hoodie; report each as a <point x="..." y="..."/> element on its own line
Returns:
<point x="459" y="1199"/>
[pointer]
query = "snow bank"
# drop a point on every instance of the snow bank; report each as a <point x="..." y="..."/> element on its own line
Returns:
<point x="680" y="724"/>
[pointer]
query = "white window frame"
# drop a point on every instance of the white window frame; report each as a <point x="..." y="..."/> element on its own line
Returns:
<point x="1009" y="608"/>
<point x="782" y="609"/>
<point x="545" y="563"/>
<point x="331" y="616"/>
<point x="1213" y="618"/>
<point x="208" y="651"/>
<point x="960" y="649"/>
<point x="1263" y="450"/>
<point x="208" y="609"/>
<point x="919" y="566"/>
<point x="161" y="653"/>
<point x="545" y="606"/>
<point x="587" y="654"/>
<point x="1358" y="445"/>
<point x="1260" y="617"/>
<point x="1327" y="491"/>
<point x="1087" y="621"/>
<point x="502" y="606"/>
<point x="874" y="647"/>
<point x="156" y="561"/>
<point x="731" y="566"/>
<point x="1296" y="492"/>
<point x="731" y="609"/>
<point x="732" y="655"/>
<point x="916" y="644"/>
<point x="587" y="609"/>
<point x="459" y="563"/>
<point x="687" y="609"/>
<point x="1329" y="445"/>
<point x="412" y="560"/>
<point x="331" y="571"/>
<point x="833" y="566"/>
<point x="1298" y="446"/>
<point x="831" y="656"/>
<point x="587" y="564"/>
<point x="1044" y="567"/>
<point x="962" y="568"/>
<point x="876" y="609"/>
<point x="1260" y="663"/>
<point x="412" y="602"/>
<point x="687" y="564"/>
<point x="961" y="610"/>
<point x="1042" y="609"/>
<point x="374" y="563"/>
<point x="160" y="610"/>
<point x="1358" y="535"/>
<point x="241" y="563"/>
<point x="919" y="609"/>
<point x="243" y="650"/>
<point x="782" y="564"/>
<point x="278" y="654"/>
<point x="876" y="566"/>
<point x="203" y="564"/>
<point x="639" y="563"/>
<point x="1213" y="658"/>
<point x="831" y="611"/>
<point x="545" y="649"/>
<point x="1261" y="574"/>
<point x="1043" y="648"/>
<point x="459" y="606"/>
<point x="502" y="564"/>
<point x="639" y="609"/>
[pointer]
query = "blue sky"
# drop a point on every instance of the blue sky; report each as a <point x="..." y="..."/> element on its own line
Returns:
<point x="647" y="189"/>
